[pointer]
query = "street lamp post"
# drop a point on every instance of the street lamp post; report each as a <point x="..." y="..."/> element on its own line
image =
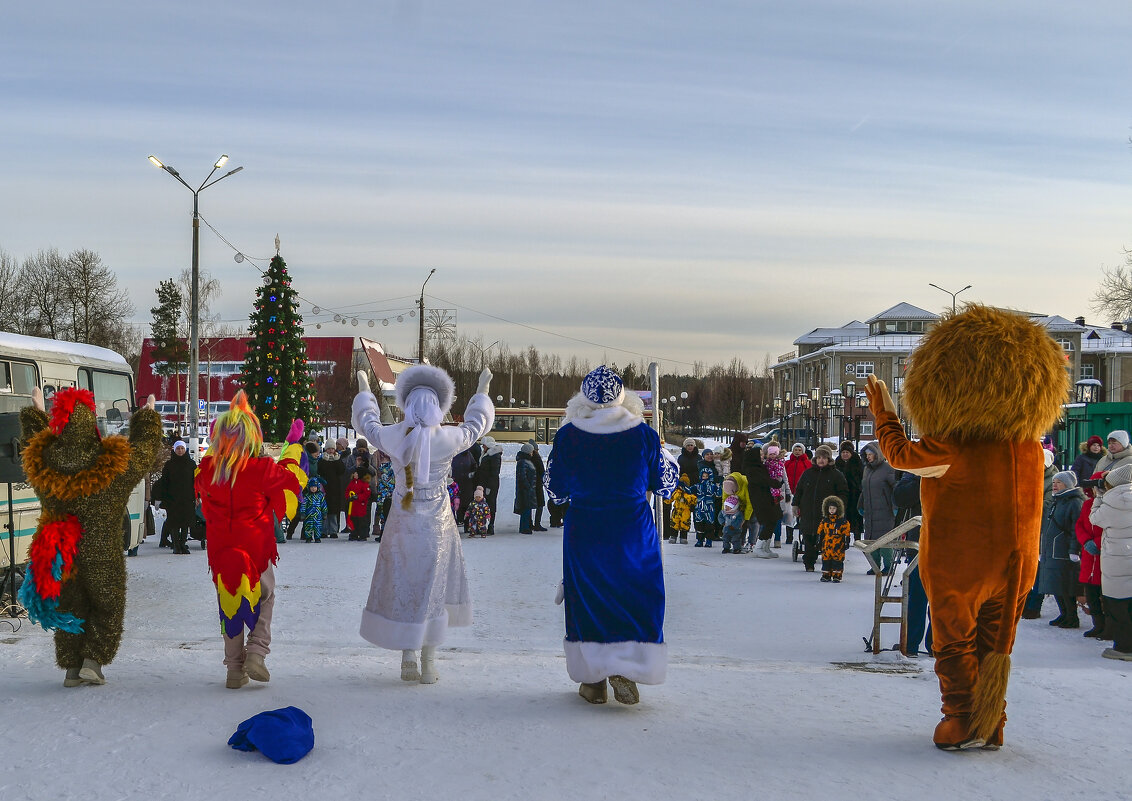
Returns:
<point x="684" y="401"/>
<point x="420" y="315"/>
<point x="953" y="294"/>
<point x="194" y="301"/>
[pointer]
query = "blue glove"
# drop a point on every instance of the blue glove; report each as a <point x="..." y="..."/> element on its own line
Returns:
<point x="1091" y="548"/>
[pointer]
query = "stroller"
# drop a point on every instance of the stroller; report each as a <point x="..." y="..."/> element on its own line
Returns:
<point x="199" y="526"/>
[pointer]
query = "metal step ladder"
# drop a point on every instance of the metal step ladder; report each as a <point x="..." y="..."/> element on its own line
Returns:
<point x="883" y="587"/>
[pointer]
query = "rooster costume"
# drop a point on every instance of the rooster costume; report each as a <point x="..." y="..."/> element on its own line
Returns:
<point x="240" y="493"/>
<point x="982" y="387"/>
<point x="76" y="577"/>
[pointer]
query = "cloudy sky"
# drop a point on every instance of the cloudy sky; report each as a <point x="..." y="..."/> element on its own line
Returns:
<point x="688" y="181"/>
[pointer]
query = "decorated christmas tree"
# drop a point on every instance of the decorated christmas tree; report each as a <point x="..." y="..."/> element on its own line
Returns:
<point x="275" y="374"/>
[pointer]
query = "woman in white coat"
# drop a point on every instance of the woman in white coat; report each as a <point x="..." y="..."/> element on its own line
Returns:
<point x="419" y="586"/>
<point x="1112" y="512"/>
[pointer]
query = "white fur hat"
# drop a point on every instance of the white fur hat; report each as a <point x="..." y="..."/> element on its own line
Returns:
<point x="425" y="375"/>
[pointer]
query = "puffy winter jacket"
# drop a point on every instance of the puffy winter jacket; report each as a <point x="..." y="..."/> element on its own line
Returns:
<point x="1113" y="513"/>
<point x="1090" y="554"/>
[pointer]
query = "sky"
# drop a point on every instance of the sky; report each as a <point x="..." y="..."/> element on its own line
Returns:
<point x="681" y="182"/>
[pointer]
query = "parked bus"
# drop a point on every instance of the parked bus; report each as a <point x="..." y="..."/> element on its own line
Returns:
<point x="520" y="425"/>
<point x="28" y="362"/>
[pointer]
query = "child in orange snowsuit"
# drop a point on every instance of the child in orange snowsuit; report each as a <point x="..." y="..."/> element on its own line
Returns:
<point x="833" y="534"/>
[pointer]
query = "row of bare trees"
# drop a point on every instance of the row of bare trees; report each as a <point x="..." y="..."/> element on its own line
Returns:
<point x="728" y="395"/>
<point x="74" y="297"/>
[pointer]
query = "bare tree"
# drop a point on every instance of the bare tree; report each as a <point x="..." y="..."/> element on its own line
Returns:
<point x="99" y="310"/>
<point x="208" y="291"/>
<point x="41" y="284"/>
<point x="12" y="306"/>
<point x="1114" y="295"/>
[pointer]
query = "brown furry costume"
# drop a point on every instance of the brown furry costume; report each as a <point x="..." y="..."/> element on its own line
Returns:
<point x="982" y="387"/>
<point x="73" y="472"/>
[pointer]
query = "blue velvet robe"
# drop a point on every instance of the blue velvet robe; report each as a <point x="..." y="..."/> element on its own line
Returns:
<point x="613" y="581"/>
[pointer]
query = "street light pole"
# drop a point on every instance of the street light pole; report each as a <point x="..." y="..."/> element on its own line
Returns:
<point x="420" y="315"/>
<point x="194" y="293"/>
<point x="953" y="294"/>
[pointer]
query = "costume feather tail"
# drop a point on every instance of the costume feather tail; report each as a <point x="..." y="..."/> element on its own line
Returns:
<point x="238" y="591"/>
<point x="51" y="565"/>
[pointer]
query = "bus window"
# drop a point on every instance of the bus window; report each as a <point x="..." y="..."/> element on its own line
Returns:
<point x="17" y="379"/>
<point x="112" y="393"/>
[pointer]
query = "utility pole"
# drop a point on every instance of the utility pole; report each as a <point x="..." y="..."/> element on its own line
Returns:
<point x="420" y="316"/>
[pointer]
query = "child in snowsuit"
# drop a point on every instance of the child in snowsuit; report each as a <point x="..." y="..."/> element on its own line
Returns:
<point x="313" y="511"/>
<point x="383" y="500"/>
<point x="477" y="519"/>
<point x="833" y="534"/>
<point x="357" y="514"/>
<point x="731" y="518"/>
<point x="454" y="499"/>
<point x="708" y="494"/>
<point x="683" y="501"/>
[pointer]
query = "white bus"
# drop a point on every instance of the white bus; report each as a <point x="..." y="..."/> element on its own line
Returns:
<point x="28" y="362"/>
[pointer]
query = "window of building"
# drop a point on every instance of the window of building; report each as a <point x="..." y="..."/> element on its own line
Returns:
<point x="902" y="326"/>
<point x="916" y="326"/>
<point x="1066" y="344"/>
<point x="864" y="368"/>
<point x="866" y="428"/>
<point x="1087" y="371"/>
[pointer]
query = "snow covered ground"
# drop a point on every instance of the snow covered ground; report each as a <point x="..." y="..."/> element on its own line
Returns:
<point x="759" y="701"/>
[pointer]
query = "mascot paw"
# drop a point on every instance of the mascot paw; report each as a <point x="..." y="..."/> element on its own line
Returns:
<point x="296" y="432"/>
<point x="879" y="397"/>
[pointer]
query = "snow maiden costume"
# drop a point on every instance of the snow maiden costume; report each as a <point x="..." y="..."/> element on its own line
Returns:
<point x="241" y="492"/>
<point x="605" y="461"/>
<point x="419" y="587"/>
<point x="76" y="576"/>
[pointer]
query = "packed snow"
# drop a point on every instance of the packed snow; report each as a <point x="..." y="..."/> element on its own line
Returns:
<point x="770" y="695"/>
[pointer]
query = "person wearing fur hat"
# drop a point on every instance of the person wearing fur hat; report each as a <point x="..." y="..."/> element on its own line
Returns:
<point x="487" y="474"/>
<point x="1060" y="551"/>
<point x="1092" y="450"/>
<point x="834" y="534"/>
<point x="689" y="459"/>
<point x="419" y="587"/>
<point x="178" y="498"/>
<point x="75" y="583"/>
<point x="613" y="579"/>
<point x="815" y="485"/>
<point x="332" y="470"/>
<point x="1112" y="511"/>
<point x="980" y="459"/>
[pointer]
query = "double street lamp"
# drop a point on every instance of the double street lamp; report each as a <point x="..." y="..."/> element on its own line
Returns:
<point x="949" y="292"/>
<point x="194" y="301"/>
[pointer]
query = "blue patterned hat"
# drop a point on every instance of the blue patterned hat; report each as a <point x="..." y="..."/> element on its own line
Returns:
<point x="603" y="387"/>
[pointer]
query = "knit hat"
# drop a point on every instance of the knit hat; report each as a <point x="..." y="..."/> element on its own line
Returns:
<point x="180" y="444"/>
<point x="342" y="443"/>
<point x="797" y="445"/>
<point x="1121" y="475"/>
<point x="478" y="494"/>
<point x="527" y="448"/>
<point x="730" y="504"/>
<point x="773" y="450"/>
<point x="824" y="450"/>
<point x="730" y="486"/>
<point x="689" y="441"/>
<point x="1094" y="440"/>
<point x="1048" y="456"/>
<point x="1120" y="436"/>
<point x="1067" y="477"/>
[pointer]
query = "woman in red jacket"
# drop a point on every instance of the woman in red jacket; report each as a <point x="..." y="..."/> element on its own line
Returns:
<point x="1089" y="537"/>
<point x="796" y="464"/>
<point x="241" y="491"/>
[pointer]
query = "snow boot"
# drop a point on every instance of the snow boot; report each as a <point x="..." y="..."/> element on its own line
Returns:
<point x="428" y="665"/>
<point x="953" y="734"/>
<point x="699" y="543"/>
<point x="1112" y="653"/>
<point x="763" y="551"/>
<point x="72" y="678"/>
<point x="624" y="690"/>
<point x="777" y="545"/>
<point x="409" y="669"/>
<point x="595" y="692"/>
<point x="91" y="672"/>
<point x="255" y="667"/>
<point x="236" y="679"/>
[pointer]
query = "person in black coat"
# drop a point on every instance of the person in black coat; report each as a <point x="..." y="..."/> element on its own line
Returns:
<point x="487" y="475"/>
<point x="178" y="497"/>
<point x="906" y="496"/>
<point x="689" y="459"/>
<point x="540" y="471"/>
<point x="851" y="466"/>
<point x="464" y="466"/>
<point x="815" y="485"/>
<point x="332" y="470"/>
<point x="766" y="510"/>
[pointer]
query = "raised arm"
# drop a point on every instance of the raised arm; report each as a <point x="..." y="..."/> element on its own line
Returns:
<point x="366" y="415"/>
<point x="479" y="417"/>
<point x="145" y="441"/>
<point x="927" y="457"/>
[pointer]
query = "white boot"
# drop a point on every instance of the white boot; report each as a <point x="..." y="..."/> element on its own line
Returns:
<point x="763" y="551"/>
<point x="91" y="672"/>
<point x="409" y="670"/>
<point x="428" y="665"/>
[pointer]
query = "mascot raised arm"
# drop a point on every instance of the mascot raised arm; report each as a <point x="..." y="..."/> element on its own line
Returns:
<point x="982" y="388"/>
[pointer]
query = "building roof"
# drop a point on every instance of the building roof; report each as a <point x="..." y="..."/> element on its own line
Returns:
<point x="854" y="329"/>
<point x="1055" y="322"/>
<point x="904" y="311"/>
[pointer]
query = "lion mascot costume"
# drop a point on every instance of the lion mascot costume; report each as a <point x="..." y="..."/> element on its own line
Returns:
<point x="982" y="388"/>
<point x="76" y="576"/>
